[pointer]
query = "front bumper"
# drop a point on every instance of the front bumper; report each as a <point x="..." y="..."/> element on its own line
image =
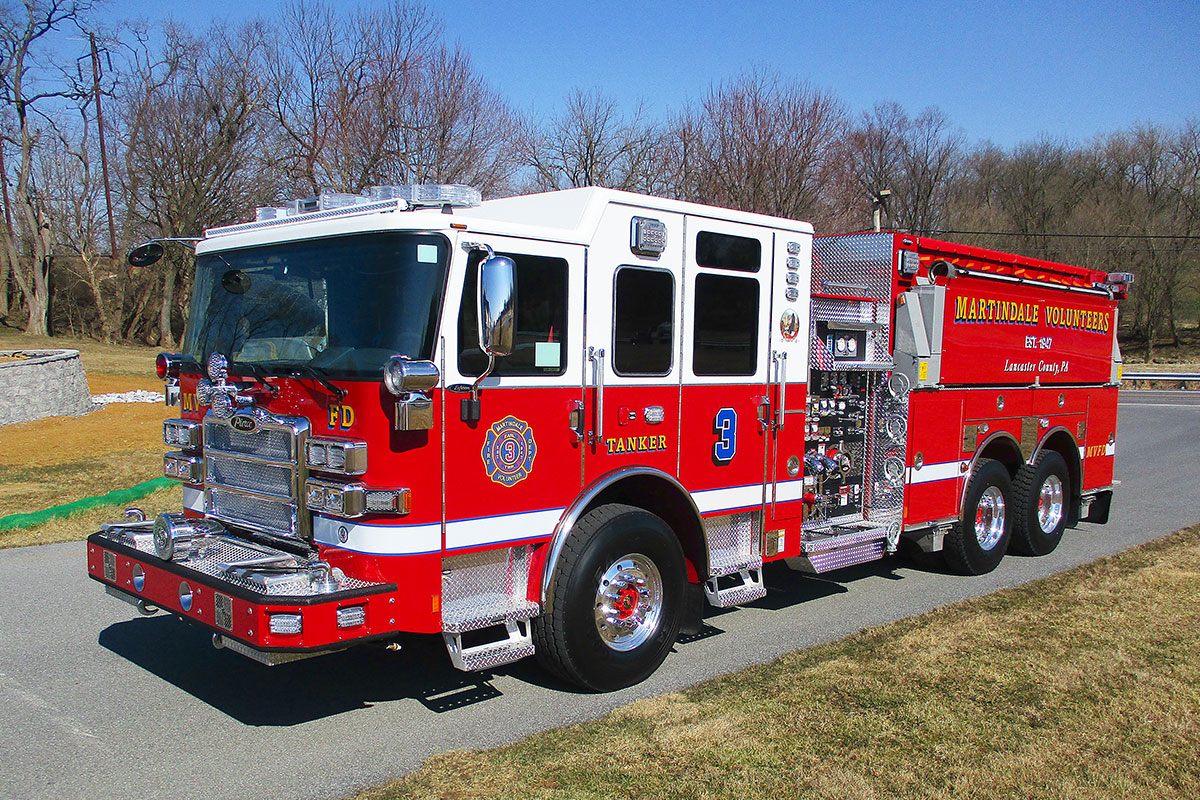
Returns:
<point x="238" y="610"/>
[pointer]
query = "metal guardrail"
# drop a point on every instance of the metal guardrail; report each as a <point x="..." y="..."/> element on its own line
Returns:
<point x="1183" y="377"/>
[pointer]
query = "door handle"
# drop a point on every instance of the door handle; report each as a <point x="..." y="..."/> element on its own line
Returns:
<point x="596" y="356"/>
<point x="781" y="375"/>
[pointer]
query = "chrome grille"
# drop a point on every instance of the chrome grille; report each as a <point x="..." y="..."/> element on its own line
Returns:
<point x="270" y="479"/>
<point x="256" y="479"/>
<point x="259" y="513"/>
<point x="275" y="444"/>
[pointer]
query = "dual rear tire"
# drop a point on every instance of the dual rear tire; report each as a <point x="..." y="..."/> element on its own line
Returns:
<point x="1026" y="513"/>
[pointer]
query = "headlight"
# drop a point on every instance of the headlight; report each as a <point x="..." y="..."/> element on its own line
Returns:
<point x="344" y="456"/>
<point x="182" y="467"/>
<point x="181" y="433"/>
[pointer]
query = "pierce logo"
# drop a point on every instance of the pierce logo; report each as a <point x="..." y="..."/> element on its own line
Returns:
<point x="508" y="451"/>
<point x="243" y="423"/>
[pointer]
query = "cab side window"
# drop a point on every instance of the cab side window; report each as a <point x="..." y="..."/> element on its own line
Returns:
<point x="643" y="322"/>
<point x="726" y="314"/>
<point x="540" y="341"/>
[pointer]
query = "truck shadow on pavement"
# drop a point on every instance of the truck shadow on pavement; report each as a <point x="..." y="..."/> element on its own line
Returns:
<point x="181" y="654"/>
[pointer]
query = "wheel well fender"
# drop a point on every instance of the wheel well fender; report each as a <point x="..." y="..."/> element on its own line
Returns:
<point x="1000" y="446"/>
<point x="644" y="488"/>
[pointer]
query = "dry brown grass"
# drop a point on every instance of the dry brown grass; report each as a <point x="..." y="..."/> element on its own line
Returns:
<point x="1084" y="685"/>
<point x="79" y="526"/>
<point x="57" y="460"/>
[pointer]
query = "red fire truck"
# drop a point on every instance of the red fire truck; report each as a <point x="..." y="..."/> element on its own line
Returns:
<point x="559" y="424"/>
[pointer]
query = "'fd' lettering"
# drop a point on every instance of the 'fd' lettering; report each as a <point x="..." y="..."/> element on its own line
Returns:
<point x="340" y="417"/>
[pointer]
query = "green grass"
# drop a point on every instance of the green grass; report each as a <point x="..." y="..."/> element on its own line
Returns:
<point x="81" y="525"/>
<point x="1083" y="685"/>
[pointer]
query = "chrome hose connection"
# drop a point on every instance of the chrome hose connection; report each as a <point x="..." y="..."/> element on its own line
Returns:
<point x="177" y="538"/>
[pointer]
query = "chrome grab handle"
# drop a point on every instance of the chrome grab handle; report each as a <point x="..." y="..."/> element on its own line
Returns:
<point x="596" y="356"/>
<point x="781" y="374"/>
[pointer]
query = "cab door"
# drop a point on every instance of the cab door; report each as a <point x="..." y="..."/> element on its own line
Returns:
<point x="726" y="366"/>
<point x="632" y="369"/>
<point x="510" y="474"/>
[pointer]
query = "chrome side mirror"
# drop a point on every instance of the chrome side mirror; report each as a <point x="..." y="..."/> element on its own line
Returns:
<point x="497" y="305"/>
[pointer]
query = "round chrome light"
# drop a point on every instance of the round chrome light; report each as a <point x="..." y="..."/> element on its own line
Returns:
<point x="793" y="466"/>
<point x="139" y="577"/>
<point x="185" y="596"/>
<point x="164" y="535"/>
<point x="401" y="375"/>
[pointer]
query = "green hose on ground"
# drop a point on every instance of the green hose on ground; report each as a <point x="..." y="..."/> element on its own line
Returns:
<point x="67" y="509"/>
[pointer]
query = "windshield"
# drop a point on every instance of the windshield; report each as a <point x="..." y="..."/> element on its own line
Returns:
<point x="341" y="305"/>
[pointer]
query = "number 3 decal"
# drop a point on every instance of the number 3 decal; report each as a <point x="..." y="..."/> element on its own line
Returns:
<point x="725" y="427"/>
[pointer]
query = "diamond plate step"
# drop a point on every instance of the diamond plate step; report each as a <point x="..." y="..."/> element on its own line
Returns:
<point x="840" y="546"/>
<point x="750" y="588"/>
<point x="517" y="645"/>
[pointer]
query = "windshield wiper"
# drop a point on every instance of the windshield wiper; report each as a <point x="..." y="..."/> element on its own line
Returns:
<point x="317" y="374"/>
<point x="256" y="372"/>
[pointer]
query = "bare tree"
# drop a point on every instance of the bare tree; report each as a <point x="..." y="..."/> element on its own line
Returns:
<point x="192" y="127"/>
<point x="374" y="97"/>
<point x="27" y="87"/>
<point x="916" y="159"/>
<point x="590" y="143"/>
<point x="760" y="144"/>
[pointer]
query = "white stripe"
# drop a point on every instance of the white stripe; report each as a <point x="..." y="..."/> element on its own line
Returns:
<point x="789" y="490"/>
<point x="725" y="499"/>
<point x="193" y="499"/>
<point x="1082" y="452"/>
<point x="935" y="472"/>
<point x="386" y="540"/>
<point x="503" y="528"/>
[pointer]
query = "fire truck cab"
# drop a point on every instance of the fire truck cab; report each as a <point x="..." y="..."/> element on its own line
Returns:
<point x="559" y="424"/>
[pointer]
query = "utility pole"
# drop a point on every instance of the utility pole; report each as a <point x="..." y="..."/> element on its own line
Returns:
<point x="878" y="201"/>
<point x="112" y="230"/>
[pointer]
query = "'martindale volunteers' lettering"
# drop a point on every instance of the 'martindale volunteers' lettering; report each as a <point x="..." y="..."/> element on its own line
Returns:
<point x="635" y="444"/>
<point x="980" y="309"/>
<point x="1077" y="319"/>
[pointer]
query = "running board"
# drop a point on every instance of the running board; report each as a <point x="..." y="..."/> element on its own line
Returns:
<point x="840" y="546"/>
<point x="749" y="587"/>
<point x="517" y="644"/>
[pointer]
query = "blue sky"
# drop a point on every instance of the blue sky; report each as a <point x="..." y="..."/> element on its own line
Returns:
<point x="1007" y="72"/>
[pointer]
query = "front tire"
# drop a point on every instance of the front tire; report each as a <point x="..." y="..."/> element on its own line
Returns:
<point x="1041" y="493"/>
<point x="617" y="602"/>
<point x="977" y="543"/>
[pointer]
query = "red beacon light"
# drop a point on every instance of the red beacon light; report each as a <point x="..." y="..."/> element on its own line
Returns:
<point x="167" y="365"/>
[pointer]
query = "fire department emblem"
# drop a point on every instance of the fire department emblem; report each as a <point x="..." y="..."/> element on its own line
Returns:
<point x="508" y="451"/>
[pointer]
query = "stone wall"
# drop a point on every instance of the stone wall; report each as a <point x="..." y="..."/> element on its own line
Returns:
<point x="41" y="383"/>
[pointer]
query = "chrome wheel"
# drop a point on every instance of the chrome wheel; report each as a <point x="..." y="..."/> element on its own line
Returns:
<point x="629" y="602"/>
<point x="989" y="518"/>
<point x="1050" y="504"/>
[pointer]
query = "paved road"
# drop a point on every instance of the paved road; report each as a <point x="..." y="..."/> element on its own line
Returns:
<point x="95" y="704"/>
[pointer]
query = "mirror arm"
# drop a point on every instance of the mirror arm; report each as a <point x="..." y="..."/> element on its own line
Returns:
<point x="475" y="386"/>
